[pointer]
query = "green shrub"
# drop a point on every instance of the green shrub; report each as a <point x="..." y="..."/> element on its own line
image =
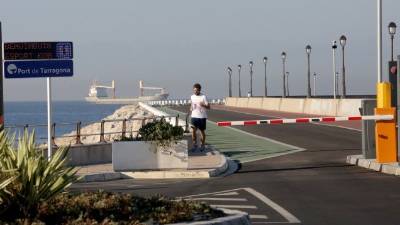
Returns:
<point x="27" y="178"/>
<point x="161" y="132"/>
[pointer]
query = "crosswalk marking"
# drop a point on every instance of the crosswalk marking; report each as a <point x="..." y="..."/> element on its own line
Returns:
<point x="220" y="199"/>
<point x="258" y="217"/>
<point x="236" y="206"/>
<point x="228" y="194"/>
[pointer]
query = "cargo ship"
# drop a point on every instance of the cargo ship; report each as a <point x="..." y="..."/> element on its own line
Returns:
<point x="101" y="94"/>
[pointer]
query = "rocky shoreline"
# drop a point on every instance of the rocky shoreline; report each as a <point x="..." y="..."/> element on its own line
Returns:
<point x="129" y="112"/>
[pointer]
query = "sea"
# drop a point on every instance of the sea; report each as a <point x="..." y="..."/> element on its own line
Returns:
<point x="64" y="113"/>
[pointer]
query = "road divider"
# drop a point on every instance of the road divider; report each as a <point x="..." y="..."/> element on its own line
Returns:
<point x="304" y="120"/>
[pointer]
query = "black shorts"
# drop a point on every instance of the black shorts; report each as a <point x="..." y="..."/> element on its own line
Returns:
<point x="199" y="123"/>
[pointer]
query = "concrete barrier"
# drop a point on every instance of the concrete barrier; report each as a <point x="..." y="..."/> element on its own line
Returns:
<point x="80" y="155"/>
<point x="347" y="107"/>
<point x="292" y="105"/>
<point x="326" y="107"/>
<point x="242" y="102"/>
<point x="231" y="101"/>
<point x="271" y="104"/>
<point x="255" y="103"/>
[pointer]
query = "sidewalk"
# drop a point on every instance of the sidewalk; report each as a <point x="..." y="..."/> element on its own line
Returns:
<point x="207" y="164"/>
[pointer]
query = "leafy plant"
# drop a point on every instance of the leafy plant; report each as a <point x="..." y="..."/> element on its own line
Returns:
<point x="27" y="178"/>
<point x="161" y="132"/>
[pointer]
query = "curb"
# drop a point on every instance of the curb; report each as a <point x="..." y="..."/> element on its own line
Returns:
<point x="387" y="168"/>
<point x="235" y="217"/>
<point x="168" y="174"/>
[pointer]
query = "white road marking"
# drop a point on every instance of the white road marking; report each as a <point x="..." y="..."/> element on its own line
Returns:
<point x="220" y="199"/>
<point x="291" y="218"/>
<point x="283" y="212"/>
<point x="235" y="206"/>
<point x="258" y="217"/>
<point x="228" y="194"/>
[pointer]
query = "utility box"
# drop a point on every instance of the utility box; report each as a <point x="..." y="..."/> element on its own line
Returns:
<point x="368" y="129"/>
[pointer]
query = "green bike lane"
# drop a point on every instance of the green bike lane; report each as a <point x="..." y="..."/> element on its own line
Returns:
<point x="240" y="145"/>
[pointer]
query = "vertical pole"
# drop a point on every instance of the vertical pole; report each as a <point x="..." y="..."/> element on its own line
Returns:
<point x="398" y="102"/>
<point x="308" y="77"/>
<point x="240" y="92"/>
<point x="1" y="82"/>
<point x="315" y="77"/>
<point x="284" y="78"/>
<point x="265" y="79"/>
<point x="343" y="75"/>
<point x="392" y="36"/>
<point x="334" y="69"/>
<point x="251" y="81"/>
<point x="379" y="38"/>
<point x="337" y="83"/>
<point x="49" y="130"/>
<point x="287" y="84"/>
<point x="230" y="84"/>
<point x="102" y="139"/>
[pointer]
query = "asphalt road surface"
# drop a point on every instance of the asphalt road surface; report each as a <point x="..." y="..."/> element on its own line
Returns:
<point x="314" y="186"/>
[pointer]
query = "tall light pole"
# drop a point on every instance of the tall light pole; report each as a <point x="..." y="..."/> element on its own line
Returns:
<point x="392" y="32"/>
<point x="337" y="82"/>
<point x="240" y="92"/>
<point x="251" y="78"/>
<point x="283" y="55"/>
<point x="315" y="79"/>
<point x="265" y="59"/>
<point x="334" y="46"/>
<point x="308" y="51"/>
<point x="287" y="83"/>
<point x="343" y="41"/>
<point x="379" y="38"/>
<point x="230" y="80"/>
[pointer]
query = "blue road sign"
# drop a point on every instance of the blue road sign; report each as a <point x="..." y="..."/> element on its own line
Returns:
<point x="42" y="68"/>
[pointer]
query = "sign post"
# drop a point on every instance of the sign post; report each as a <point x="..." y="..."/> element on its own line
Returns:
<point x="39" y="59"/>
<point x="1" y="82"/>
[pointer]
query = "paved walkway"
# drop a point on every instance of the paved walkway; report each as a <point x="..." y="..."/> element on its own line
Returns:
<point x="240" y="145"/>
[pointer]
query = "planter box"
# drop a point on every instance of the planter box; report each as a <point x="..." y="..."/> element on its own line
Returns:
<point x="141" y="155"/>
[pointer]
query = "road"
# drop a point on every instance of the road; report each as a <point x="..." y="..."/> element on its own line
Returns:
<point x="314" y="186"/>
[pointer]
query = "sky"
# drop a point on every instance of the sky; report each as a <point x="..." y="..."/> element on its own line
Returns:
<point x="175" y="43"/>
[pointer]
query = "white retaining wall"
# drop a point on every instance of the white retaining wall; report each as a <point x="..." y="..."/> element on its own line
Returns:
<point x="326" y="107"/>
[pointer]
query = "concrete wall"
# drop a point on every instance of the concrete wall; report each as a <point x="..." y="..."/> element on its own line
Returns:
<point x="327" y="107"/>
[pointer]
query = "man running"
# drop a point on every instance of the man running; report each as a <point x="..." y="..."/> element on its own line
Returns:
<point x="199" y="115"/>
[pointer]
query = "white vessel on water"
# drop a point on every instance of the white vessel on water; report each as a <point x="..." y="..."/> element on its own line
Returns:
<point x="100" y="94"/>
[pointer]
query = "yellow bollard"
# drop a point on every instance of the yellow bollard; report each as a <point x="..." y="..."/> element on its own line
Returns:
<point x="385" y="131"/>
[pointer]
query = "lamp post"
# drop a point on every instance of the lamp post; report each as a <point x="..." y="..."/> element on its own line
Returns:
<point x="265" y="76"/>
<point x="283" y="55"/>
<point x="343" y="40"/>
<point x="251" y="78"/>
<point x="337" y="82"/>
<point x="334" y="46"/>
<point x="308" y="51"/>
<point x="315" y="78"/>
<point x="230" y="80"/>
<point x="287" y="83"/>
<point x="392" y="31"/>
<point x="240" y="92"/>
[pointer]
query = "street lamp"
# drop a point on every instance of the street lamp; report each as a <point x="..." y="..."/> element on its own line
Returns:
<point x="287" y="83"/>
<point x="265" y="75"/>
<point x="230" y="80"/>
<point x="251" y="78"/>
<point x="343" y="40"/>
<point x="283" y="55"/>
<point x="334" y="46"/>
<point x="308" y="51"/>
<point x="337" y="82"/>
<point x="240" y="92"/>
<point x="392" y="32"/>
<point x="315" y="78"/>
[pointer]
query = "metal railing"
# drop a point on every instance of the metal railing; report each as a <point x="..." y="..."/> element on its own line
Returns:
<point x="78" y="127"/>
<point x="177" y="102"/>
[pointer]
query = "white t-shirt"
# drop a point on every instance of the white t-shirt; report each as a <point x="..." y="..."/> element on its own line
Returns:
<point x="199" y="111"/>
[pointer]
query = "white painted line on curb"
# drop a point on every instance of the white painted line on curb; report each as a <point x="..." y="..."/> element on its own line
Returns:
<point x="291" y="218"/>
<point x="220" y="199"/>
<point x="235" y="206"/>
<point x="258" y="217"/>
<point x="228" y="194"/>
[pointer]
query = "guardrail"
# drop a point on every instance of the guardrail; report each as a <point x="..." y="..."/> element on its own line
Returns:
<point x="78" y="126"/>
<point x="182" y="102"/>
